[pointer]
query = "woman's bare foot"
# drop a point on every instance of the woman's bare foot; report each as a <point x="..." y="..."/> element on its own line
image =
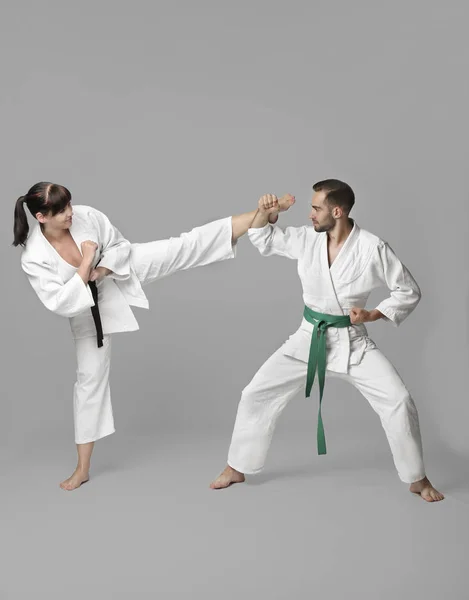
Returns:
<point x="285" y="202"/>
<point x="228" y="477"/>
<point x="72" y="483"/>
<point x="425" y="489"/>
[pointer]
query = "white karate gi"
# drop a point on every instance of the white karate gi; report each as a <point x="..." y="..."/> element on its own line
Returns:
<point x="363" y="264"/>
<point x="62" y="290"/>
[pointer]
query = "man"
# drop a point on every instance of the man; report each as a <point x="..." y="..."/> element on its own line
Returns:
<point x="339" y="265"/>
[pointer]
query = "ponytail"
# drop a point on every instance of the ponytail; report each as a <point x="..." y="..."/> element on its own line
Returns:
<point x="21" y="226"/>
<point x="44" y="197"/>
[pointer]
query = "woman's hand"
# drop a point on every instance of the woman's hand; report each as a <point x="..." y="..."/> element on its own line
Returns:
<point x="88" y="250"/>
<point x="99" y="273"/>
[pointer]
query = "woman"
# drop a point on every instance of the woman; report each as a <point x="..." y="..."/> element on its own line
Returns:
<point x="81" y="267"/>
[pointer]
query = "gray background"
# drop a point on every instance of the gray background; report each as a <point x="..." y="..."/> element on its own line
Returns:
<point x="168" y="115"/>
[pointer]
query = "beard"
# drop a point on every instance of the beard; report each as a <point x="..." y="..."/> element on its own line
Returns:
<point x="330" y="224"/>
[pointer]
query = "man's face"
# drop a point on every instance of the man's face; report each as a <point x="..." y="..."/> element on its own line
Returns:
<point x="321" y="213"/>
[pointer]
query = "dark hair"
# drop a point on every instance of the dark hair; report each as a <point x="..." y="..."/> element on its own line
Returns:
<point x="44" y="197"/>
<point x="338" y="193"/>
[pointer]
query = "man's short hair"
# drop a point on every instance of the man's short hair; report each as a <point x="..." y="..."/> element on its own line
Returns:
<point x="338" y="193"/>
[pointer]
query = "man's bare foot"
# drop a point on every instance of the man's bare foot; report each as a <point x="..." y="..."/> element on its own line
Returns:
<point x="72" y="483"/>
<point x="228" y="477"/>
<point x="425" y="489"/>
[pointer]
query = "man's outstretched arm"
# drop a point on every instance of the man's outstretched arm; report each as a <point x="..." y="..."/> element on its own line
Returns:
<point x="267" y="212"/>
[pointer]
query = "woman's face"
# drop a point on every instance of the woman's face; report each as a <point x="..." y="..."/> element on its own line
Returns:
<point x="62" y="220"/>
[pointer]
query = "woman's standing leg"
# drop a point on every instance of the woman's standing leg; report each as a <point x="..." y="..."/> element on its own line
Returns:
<point x="92" y="407"/>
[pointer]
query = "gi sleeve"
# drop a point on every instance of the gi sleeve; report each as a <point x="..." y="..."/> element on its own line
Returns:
<point x="405" y="293"/>
<point x="66" y="300"/>
<point x="272" y="239"/>
<point x="114" y="248"/>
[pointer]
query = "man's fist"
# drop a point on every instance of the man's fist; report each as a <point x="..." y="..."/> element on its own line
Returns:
<point x="270" y="204"/>
<point x="359" y="315"/>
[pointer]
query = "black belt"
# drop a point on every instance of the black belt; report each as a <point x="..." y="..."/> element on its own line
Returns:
<point x="95" y="313"/>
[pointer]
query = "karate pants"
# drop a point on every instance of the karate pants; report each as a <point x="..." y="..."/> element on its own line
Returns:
<point x="151" y="261"/>
<point x="282" y="377"/>
<point x="92" y="409"/>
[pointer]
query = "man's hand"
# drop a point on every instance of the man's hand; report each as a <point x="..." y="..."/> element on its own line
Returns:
<point x="269" y="203"/>
<point x="284" y="204"/>
<point x="99" y="273"/>
<point x="360" y="315"/>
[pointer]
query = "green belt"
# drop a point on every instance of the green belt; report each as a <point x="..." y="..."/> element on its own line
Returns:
<point x="317" y="359"/>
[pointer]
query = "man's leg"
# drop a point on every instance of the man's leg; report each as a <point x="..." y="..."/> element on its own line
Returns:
<point x="379" y="382"/>
<point x="278" y="380"/>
